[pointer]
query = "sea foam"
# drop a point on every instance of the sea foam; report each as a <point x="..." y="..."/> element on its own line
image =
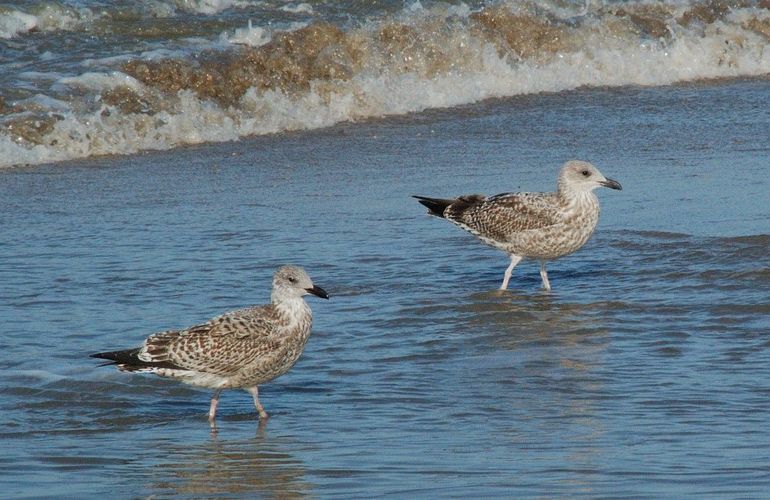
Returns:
<point x="319" y="74"/>
<point x="14" y="22"/>
<point x="47" y="18"/>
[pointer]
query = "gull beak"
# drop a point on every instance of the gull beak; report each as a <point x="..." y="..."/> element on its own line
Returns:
<point x="611" y="184"/>
<point x="318" y="291"/>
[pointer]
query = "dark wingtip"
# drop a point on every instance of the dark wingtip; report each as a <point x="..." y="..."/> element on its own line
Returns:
<point x="109" y="356"/>
<point x="128" y="360"/>
<point x="435" y="206"/>
<point x="102" y="355"/>
<point x="127" y="356"/>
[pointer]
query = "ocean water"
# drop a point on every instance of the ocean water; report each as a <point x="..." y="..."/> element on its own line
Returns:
<point x="645" y="373"/>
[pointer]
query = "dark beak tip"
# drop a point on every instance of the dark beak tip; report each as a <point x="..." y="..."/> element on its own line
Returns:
<point x="318" y="292"/>
<point x="612" y="184"/>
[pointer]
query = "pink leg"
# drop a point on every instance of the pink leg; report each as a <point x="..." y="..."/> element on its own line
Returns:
<point x="515" y="259"/>
<point x="214" y="404"/>
<point x="544" y="276"/>
<point x="254" y="391"/>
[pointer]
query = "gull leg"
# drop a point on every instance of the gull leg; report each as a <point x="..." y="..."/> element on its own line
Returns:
<point x="254" y="391"/>
<point x="213" y="408"/>
<point x="515" y="259"/>
<point x="544" y="276"/>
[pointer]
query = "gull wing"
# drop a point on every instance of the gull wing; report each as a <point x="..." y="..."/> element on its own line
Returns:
<point x="500" y="216"/>
<point x="220" y="346"/>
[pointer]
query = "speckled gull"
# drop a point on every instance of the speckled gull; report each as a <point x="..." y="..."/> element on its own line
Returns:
<point x="240" y="349"/>
<point x="543" y="226"/>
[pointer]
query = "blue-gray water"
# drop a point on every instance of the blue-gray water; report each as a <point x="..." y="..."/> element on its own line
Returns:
<point x="646" y="373"/>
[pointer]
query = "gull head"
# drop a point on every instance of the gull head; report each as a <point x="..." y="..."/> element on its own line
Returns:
<point x="291" y="282"/>
<point x="581" y="177"/>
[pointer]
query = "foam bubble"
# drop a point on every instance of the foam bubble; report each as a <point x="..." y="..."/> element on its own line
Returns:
<point x="207" y="6"/>
<point x="300" y="8"/>
<point x="252" y="36"/>
<point x="14" y="22"/>
<point x="48" y="17"/>
<point x="100" y="81"/>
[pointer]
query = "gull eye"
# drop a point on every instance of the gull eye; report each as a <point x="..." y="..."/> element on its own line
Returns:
<point x="292" y="280"/>
<point x="586" y="173"/>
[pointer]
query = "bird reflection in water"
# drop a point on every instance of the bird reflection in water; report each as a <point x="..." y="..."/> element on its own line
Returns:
<point x="546" y="356"/>
<point x="513" y="320"/>
<point x="258" y="468"/>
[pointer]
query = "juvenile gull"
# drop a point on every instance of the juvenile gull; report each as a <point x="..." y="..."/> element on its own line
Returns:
<point x="239" y="349"/>
<point x="541" y="226"/>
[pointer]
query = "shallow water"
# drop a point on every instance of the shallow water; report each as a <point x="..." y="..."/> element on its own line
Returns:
<point x="645" y="373"/>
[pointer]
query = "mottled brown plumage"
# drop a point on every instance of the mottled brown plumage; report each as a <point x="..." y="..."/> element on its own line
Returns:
<point x="541" y="226"/>
<point x="239" y="349"/>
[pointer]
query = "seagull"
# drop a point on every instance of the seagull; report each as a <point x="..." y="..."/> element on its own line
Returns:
<point x="237" y="350"/>
<point x="543" y="226"/>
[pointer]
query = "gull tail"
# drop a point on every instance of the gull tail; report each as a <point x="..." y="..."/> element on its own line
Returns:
<point x="436" y="206"/>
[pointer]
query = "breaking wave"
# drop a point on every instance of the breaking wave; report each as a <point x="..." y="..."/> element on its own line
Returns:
<point x="313" y="73"/>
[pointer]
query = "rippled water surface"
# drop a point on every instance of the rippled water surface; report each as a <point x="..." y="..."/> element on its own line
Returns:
<point x="645" y="373"/>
